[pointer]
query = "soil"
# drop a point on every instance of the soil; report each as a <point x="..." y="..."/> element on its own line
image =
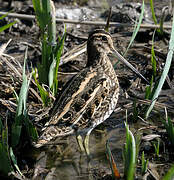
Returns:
<point x="132" y="102"/>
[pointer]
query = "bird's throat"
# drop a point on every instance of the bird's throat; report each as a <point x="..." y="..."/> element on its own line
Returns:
<point x="96" y="58"/>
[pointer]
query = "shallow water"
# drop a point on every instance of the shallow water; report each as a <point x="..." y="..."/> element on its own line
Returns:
<point x="65" y="160"/>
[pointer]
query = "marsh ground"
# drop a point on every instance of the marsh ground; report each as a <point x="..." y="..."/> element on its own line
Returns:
<point x="64" y="161"/>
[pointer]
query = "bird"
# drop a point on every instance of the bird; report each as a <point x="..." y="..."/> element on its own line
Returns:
<point x="89" y="98"/>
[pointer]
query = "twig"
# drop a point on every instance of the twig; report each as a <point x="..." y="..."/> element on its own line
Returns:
<point x="70" y="55"/>
<point x="4" y="46"/>
<point x="96" y="23"/>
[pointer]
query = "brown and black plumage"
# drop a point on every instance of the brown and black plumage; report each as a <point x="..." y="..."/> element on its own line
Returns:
<point x="90" y="97"/>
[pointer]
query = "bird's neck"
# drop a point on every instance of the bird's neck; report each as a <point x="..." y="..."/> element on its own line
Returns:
<point x="96" y="58"/>
<point x="102" y="62"/>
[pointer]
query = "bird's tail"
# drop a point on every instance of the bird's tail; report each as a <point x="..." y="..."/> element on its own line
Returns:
<point x="51" y="133"/>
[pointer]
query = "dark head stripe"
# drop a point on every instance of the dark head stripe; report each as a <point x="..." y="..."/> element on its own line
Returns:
<point x="102" y="31"/>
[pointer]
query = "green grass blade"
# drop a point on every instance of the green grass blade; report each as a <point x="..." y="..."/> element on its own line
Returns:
<point x="37" y="6"/>
<point x="6" y="26"/>
<point x="170" y="174"/>
<point x="169" y="129"/>
<point x="153" y="57"/>
<point x="154" y="17"/>
<point x="149" y="92"/>
<point x="58" y="55"/>
<point x="16" y="132"/>
<point x="43" y="93"/>
<point x="16" y="96"/>
<point x="13" y="158"/>
<point x="52" y="24"/>
<point x="23" y="91"/>
<point x="5" y="162"/>
<point x="156" y="146"/>
<point x="129" y="155"/>
<point x="21" y="108"/>
<point x="3" y="16"/>
<point x="39" y="13"/>
<point x="136" y="28"/>
<point x="165" y="71"/>
<point x="144" y="164"/>
<point x="31" y="129"/>
<point x="4" y="135"/>
<point x="53" y="73"/>
<point x="162" y="19"/>
<point x="43" y="68"/>
<point x="153" y="12"/>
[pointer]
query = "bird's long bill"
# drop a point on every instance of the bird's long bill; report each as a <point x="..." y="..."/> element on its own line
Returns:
<point x="122" y="59"/>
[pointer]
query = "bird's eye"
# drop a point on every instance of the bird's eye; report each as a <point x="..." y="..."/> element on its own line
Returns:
<point x="104" y="38"/>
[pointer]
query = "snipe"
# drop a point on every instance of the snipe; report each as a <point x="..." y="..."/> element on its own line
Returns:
<point x="90" y="97"/>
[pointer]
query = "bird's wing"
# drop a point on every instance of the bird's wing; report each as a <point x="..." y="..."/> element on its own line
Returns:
<point x="84" y="101"/>
<point x="80" y="93"/>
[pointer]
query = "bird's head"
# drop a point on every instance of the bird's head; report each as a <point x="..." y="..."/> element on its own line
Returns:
<point x="99" y="41"/>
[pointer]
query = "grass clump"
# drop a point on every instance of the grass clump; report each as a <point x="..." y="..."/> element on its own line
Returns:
<point x="8" y="165"/>
<point x="8" y="162"/>
<point x="170" y="129"/>
<point x="21" y="117"/>
<point x="21" y="121"/>
<point x="5" y="165"/>
<point x="51" y="48"/>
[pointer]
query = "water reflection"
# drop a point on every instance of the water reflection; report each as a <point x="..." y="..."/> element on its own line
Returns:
<point x="64" y="161"/>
